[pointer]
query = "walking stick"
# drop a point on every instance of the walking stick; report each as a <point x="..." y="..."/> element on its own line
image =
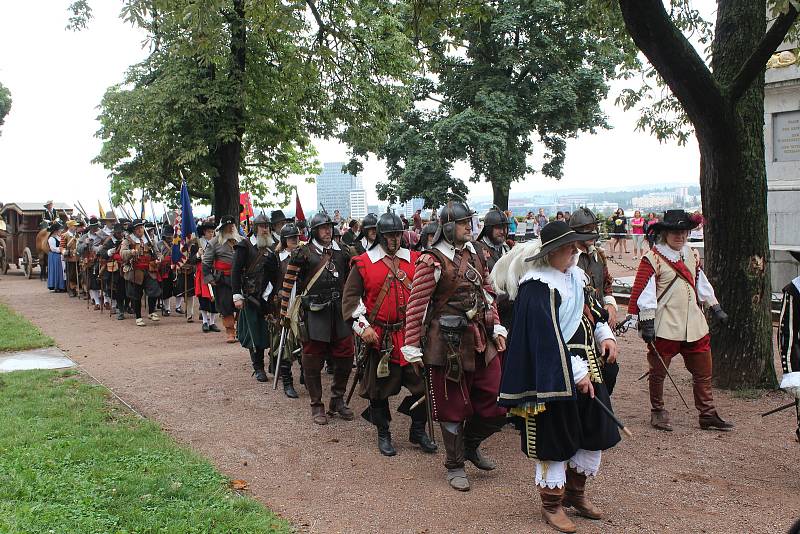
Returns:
<point x="613" y="417"/>
<point x="664" y="365"/>
<point x="278" y="358"/>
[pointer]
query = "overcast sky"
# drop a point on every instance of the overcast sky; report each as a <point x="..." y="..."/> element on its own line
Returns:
<point x="57" y="79"/>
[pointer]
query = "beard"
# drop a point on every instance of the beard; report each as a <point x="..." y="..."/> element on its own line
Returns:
<point x="263" y="241"/>
<point x="224" y="237"/>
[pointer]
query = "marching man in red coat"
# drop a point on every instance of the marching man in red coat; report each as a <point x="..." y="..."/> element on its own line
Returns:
<point x="374" y="300"/>
<point x="668" y="294"/>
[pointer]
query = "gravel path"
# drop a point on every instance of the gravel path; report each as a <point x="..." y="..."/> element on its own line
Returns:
<point x="332" y="479"/>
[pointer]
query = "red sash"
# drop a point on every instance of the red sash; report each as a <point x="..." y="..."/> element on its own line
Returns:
<point x="223" y="266"/>
<point x="680" y="268"/>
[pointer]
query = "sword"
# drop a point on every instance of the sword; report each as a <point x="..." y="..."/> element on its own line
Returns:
<point x="786" y="406"/>
<point x="613" y="417"/>
<point x="361" y="359"/>
<point x="664" y="365"/>
<point x="278" y="358"/>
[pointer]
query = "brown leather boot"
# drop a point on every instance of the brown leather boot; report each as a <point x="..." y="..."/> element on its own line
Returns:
<point x="575" y="496"/>
<point x="660" y="419"/>
<point x="714" y="422"/>
<point x="341" y="373"/>
<point x="454" y="459"/>
<point x="230" y="328"/>
<point x="313" y="382"/>
<point x="552" y="511"/>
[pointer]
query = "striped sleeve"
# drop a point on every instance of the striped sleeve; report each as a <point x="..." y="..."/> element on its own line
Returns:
<point x="289" y="280"/>
<point x="422" y="288"/>
<point x="643" y="276"/>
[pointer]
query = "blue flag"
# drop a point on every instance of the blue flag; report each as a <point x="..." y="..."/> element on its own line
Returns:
<point x="185" y="227"/>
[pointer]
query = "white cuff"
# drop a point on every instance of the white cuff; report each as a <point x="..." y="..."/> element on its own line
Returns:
<point x="237" y="297"/>
<point x="579" y="368"/>
<point x="360" y="311"/>
<point x="499" y="330"/>
<point x="411" y="354"/>
<point x="586" y="462"/>
<point x="645" y="315"/>
<point x="790" y="380"/>
<point x="608" y="299"/>
<point x="267" y="291"/>
<point x="551" y="474"/>
<point x="602" y="332"/>
<point x="360" y="324"/>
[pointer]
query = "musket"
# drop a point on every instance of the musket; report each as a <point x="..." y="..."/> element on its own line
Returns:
<point x="278" y="357"/>
<point x="664" y="365"/>
<point x="361" y="363"/>
<point x="83" y="210"/>
<point x="80" y="209"/>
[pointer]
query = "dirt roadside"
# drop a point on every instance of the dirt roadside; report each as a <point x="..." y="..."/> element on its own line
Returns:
<point x="332" y="479"/>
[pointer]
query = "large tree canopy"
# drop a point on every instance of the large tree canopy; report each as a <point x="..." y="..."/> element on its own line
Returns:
<point x="5" y="103"/>
<point x="236" y="88"/>
<point x="724" y="102"/>
<point x="502" y="78"/>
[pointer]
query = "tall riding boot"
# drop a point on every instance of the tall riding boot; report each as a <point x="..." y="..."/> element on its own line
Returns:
<point x="380" y="416"/>
<point x="257" y="357"/>
<point x="288" y="380"/>
<point x="552" y="511"/>
<point x="575" y="495"/>
<point x="659" y="417"/>
<point x="454" y="456"/>
<point x="230" y="328"/>
<point x="313" y="369"/>
<point x="417" y="434"/>
<point x="341" y="374"/>
<point x="476" y="430"/>
<point x="700" y="365"/>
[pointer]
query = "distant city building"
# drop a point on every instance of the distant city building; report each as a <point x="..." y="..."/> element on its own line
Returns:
<point x="410" y="207"/>
<point x="654" y="201"/>
<point x="358" y="204"/>
<point x="335" y="188"/>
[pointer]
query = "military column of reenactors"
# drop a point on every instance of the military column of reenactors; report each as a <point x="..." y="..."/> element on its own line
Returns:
<point x="478" y="331"/>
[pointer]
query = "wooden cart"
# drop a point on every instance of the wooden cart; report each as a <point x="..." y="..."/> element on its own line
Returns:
<point x="18" y="244"/>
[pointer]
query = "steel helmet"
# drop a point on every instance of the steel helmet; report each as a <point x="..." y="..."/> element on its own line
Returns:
<point x="494" y="217"/>
<point x="387" y="223"/>
<point x="452" y="213"/>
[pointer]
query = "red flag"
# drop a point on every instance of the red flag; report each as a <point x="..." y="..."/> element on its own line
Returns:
<point x="247" y="213"/>
<point x="298" y="209"/>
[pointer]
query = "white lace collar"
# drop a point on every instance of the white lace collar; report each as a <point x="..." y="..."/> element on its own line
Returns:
<point x="450" y="251"/>
<point x="283" y="254"/>
<point x="558" y="280"/>
<point x="672" y="254"/>
<point x="377" y="254"/>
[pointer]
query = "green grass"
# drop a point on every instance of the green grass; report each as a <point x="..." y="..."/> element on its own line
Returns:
<point x="73" y="462"/>
<point x="17" y="333"/>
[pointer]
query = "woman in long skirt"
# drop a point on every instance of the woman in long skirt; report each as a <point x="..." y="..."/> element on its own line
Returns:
<point x="55" y="266"/>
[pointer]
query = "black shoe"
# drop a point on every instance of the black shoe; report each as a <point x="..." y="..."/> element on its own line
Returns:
<point x="288" y="388"/>
<point x="260" y="375"/>
<point x="417" y="436"/>
<point x="165" y="312"/>
<point x="120" y="316"/>
<point x="302" y="377"/>
<point x="179" y="310"/>
<point x="214" y="328"/>
<point x="714" y="422"/>
<point x="385" y="442"/>
<point x="206" y="328"/>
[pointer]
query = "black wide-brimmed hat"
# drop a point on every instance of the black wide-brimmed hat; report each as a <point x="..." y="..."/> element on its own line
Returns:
<point x="557" y="234"/>
<point x="225" y="220"/>
<point x="675" y="220"/>
<point x="202" y="226"/>
<point x="138" y="222"/>
<point x="277" y="217"/>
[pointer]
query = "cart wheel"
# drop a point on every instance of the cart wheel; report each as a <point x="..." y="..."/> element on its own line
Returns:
<point x="27" y="262"/>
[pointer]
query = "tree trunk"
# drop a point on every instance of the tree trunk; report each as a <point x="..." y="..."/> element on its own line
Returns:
<point x="229" y="153"/>
<point x="500" y="192"/>
<point x="734" y="190"/>
<point x="727" y="111"/>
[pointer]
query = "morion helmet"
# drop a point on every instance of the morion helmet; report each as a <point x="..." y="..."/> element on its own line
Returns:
<point x="320" y="218"/>
<point x="388" y="223"/>
<point x="289" y="230"/>
<point x="494" y="217"/>
<point x="260" y="219"/>
<point x="452" y="213"/>
<point x="369" y="221"/>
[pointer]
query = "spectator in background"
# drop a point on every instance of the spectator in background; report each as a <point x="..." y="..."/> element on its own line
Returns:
<point x="404" y="221"/>
<point x="512" y="224"/>
<point x="434" y="216"/>
<point x="566" y="217"/>
<point x="637" y="232"/>
<point x="541" y="220"/>
<point x="559" y="215"/>
<point x="417" y="221"/>
<point x="619" y="233"/>
<point x="337" y="217"/>
<point x="696" y="235"/>
<point x="651" y="237"/>
<point x="530" y="226"/>
<point x="350" y="235"/>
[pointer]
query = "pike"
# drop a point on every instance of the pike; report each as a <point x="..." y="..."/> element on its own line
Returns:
<point x="664" y="365"/>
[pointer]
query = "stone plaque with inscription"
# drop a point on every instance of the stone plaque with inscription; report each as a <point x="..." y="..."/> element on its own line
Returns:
<point x="786" y="136"/>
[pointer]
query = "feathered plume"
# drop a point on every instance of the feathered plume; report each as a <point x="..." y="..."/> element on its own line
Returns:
<point x="512" y="266"/>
